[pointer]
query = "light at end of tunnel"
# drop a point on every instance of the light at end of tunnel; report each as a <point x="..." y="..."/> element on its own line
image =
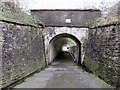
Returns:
<point x="65" y="48"/>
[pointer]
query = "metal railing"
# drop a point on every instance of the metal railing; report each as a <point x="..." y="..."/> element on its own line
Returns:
<point x="72" y="55"/>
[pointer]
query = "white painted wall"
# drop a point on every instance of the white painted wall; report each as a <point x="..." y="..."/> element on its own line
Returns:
<point x="53" y="53"/>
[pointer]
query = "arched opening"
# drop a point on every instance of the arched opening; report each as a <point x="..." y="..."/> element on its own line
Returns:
<point x="65" y="46"/>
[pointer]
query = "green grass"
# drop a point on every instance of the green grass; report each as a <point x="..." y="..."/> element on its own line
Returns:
<point x="18" y="16"/>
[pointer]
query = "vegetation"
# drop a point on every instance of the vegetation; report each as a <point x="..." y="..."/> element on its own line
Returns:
<point x="16" y="15"/>
<point x="109" y="16"/>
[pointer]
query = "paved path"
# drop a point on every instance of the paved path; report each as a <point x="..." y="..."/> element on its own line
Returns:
<point x="63" y="74"/>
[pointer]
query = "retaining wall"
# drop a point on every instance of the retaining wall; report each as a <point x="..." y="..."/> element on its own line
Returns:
<point x="22" y="51"/>
<point x="102" y="53"/>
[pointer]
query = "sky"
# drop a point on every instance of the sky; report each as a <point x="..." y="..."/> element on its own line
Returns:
<point x="64" y="4"/>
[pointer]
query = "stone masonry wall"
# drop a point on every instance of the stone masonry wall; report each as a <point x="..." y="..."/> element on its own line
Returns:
<point x="22" y="51"/>
<point x="102" y="53"/>
<point x="68" y="17"/>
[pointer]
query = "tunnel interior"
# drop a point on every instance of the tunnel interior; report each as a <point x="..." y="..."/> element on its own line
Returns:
<point x="65" y="46"/>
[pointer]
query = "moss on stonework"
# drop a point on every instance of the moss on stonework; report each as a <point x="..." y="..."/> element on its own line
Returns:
<point x="19" y="16"/>
<point x="100" y="81"/>
<point x="21" y="76"/>
<point x="107" y="74"/>
<point x="102" y="70"/>
<point x="90" y="64"/>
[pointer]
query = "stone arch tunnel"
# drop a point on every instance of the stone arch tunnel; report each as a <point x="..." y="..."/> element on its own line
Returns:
<point x="26" y="49"/>
<point x="65" y="43"/>
<point x="74" y="34"/>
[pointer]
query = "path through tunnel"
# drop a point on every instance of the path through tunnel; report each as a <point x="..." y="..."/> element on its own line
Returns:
<point x="65" y="47"/>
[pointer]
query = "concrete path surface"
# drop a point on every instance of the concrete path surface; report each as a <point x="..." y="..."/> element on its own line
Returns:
<point x="63" y="74"/>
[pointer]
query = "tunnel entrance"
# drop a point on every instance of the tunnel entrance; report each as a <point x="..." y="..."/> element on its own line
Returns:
<point x="65" y="47"/>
